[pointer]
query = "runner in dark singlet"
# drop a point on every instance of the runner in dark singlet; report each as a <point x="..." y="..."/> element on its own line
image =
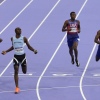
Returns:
<point x="72" y="27"/>
<point x="97" y="40"/>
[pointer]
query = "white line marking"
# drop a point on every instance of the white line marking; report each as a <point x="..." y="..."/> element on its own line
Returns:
<point x="50" y="88"/>
<point x="62" y="72"/>
<point x="15" y="17"/>
<point x="96" y="75"/>
<point x="81" y="79"/>
<point x="30" y="74"/>
<point x="70" y="76"/>
<point x="7" y="27"/>
<point x="6" y="67"/>
<point x="62" y="75"/>
<point x="22" y="73"/>
<point x="2" y="2"/>
<point x="29" y="37"/>
<point x="37" y="86"/>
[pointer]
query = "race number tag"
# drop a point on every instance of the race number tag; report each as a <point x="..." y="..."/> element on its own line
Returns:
<point x="73" y="30"/>
<point x="18" y="50"/>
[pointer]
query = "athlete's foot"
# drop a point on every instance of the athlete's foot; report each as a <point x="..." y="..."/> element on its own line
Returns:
<point x="17" y="90"/>
<point x="77" y="63"/>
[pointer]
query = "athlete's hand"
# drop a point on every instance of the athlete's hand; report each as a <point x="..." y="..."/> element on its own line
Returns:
<point x="35" y="51"/>
<point x="68" y="29"/>
<point x="3" y="52"/>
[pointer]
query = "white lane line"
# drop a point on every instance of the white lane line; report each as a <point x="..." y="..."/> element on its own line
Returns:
<point x="63" y="72"/>
<point x="30" y="37"/>
<point x="50" y="88"/>
<point x="15" y="17"/>
<point x="81" y="79"/>
<point x="2" y="2"/>
<point x="30" y="74"/>
<point x="7" y="27"/>
<point x="6" y="68"/>
<point x="38" y="82"/>
<point x="96" y="75"/>
<point x="22" y="72"/>
<point x="60" y="76"/>
<point x="37" y="86"/>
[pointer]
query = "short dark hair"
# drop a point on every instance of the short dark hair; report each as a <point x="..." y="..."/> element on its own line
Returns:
<point x="72" y="12"/>
<point x="18" y="28"/>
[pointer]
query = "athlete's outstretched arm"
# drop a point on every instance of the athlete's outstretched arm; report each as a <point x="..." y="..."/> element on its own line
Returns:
<point x="96" y="40"/>
<point x="10" y="49"/>
<point x="28" y="45"/>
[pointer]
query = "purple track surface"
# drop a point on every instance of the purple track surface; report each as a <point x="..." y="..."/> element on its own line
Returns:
<point x="50" y="75"/>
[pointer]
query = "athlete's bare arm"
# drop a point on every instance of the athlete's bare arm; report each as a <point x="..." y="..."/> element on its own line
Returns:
<point x="29" y="46"/>
<point x="64" y="28"/>
<point x="96" y="40"/>
<point x="79" y="28"/>
<point x="10" y="49"/>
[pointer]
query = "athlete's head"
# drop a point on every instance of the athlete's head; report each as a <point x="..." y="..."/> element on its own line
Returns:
<point x="18" y="31"/>
<point x="73" y="15"/>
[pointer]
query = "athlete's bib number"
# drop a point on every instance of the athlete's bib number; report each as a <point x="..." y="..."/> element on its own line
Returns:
<point x="19" y="50"/>
<point x="73" y="30"/>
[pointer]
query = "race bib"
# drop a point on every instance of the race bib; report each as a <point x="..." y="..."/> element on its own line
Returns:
<point x="19" y="50"/>
<point x="73" y="30"/>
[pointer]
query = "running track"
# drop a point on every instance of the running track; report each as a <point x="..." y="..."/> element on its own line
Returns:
<point x="50" y="74"/>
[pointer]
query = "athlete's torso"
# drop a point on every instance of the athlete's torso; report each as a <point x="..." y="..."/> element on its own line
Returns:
<point x="73" y="25"/>
<point x="18" y="45"/>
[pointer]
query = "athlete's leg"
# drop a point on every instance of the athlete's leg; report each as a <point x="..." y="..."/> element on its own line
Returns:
<point x="24" y="66"/>
<point x="70" y="44"/>
<point x="75" y="44"/>
<point x="16" y="69"/>
<point x="71" y="54"/>
<point x="98" y="54"/>
<point x="24" y="69"/>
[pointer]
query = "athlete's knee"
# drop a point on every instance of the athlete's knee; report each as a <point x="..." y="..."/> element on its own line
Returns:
<point x="24" y="68"/>
<point x="75" y="49"/>
<point x="71" y="49"/>
<point x="75" y="45"/>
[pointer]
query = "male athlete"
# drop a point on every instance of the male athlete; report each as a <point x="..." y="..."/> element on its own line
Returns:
<point x="97" y="40"/>
<point x="19" y="57"/>
<point x="72" y="27"/>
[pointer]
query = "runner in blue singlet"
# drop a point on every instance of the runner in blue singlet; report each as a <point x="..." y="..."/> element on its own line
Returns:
<point x="72" y="26"/>
<point x="97" y="40"/>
